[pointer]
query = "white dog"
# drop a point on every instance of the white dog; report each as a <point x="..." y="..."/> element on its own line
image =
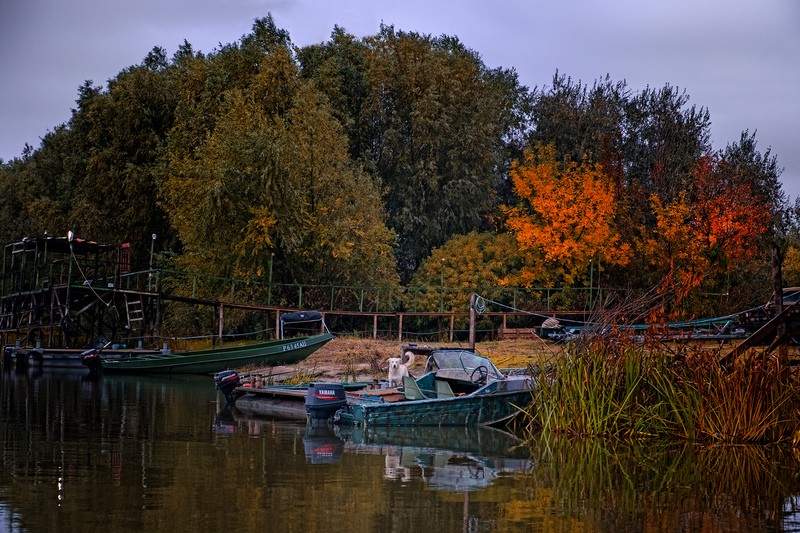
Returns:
<point x="398" y="370"/>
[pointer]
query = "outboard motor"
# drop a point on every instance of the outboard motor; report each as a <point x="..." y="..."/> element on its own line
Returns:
<point x="321" y="445"/>
<point x="91" y="359"/>
<point x="226" y="382"/>
<point x="324" y="399"/>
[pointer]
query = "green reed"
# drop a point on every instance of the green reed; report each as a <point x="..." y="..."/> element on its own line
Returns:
<point x="616" y="388"/>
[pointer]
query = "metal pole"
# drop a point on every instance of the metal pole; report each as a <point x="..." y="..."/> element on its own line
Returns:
<point x="70" y="236"/>
<point x="269" y="293"/>
<point x="150" y="274"/>
<point x="4" y="272"/>
<point x="221" y="322"/>
<point x="46" y="238"/>
<point x="472" y="316"/>
<point x="441" y="296"/>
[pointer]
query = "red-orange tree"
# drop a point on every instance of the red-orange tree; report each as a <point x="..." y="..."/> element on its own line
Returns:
<point x="698" y="237"/>
<point x="565" y="217"/>
<point x="728" y="216"/>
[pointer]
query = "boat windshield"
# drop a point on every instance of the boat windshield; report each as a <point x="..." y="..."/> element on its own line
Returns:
<point x="461" y="364"/>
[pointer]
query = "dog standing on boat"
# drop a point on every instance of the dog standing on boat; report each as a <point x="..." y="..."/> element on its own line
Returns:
<point x="398" y="370"/>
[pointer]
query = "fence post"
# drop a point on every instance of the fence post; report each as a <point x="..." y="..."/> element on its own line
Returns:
<point x="472" y="313"/>
<point x="400" y="329"/>
<point x="452" y="326"/>
<point x="269" y="287"/>
<point x="221" y="322"/>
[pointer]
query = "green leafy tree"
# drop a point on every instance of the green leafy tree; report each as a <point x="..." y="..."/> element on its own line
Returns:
<point x="428" y="119"/>
<point x="121" y="137"/>
<point x="34" y="190"/>
<point x="476" y="262"/>
<point x="339" y="69"/>
<point x="273" y="177"/>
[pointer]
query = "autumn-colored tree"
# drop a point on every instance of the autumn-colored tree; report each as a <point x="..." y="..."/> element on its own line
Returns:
<point x="647" y="143"/>
<point x="701" y="238"/>
<point x="465" y="264"/>
<point x="791" y="266"/>
<point x="727" y="215"/>
<point x="565" y="218"/>
<point x="674" y="249"/>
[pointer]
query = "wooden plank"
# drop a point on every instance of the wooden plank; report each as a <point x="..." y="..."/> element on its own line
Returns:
<point x="765" y="331"/>
<point x="518" y="333"/>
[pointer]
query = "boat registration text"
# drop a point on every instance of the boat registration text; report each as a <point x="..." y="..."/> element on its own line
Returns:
<point x="294" y="346"/>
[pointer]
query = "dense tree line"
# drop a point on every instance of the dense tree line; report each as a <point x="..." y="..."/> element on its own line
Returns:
<point x="401" y="158"/>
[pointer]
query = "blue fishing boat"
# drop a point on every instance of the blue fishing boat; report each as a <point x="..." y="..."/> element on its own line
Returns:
<point x="458" y="388"/>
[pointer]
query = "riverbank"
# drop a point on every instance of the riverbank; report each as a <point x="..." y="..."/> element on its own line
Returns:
<point x="359" y="359"/>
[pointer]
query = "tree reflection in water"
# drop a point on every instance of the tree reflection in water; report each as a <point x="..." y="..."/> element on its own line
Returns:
<point x="657" y="485"/>
<point x="153" y="454"/>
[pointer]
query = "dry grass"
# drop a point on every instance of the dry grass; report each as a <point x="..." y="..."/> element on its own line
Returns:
<point x="358" y="359"/>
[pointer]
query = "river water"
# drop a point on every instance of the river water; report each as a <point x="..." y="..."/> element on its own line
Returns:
<point x="119" y="454"/>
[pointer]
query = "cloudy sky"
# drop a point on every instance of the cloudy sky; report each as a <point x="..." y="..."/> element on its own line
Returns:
<point x="738" y="58"/>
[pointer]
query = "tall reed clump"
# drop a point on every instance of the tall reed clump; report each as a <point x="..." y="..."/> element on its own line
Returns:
<point x="595" y="389"/>
<point x="610" y="387"/>
<point x="754" y="401"/>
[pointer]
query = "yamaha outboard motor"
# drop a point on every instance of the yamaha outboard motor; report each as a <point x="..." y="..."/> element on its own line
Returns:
<point x="321" y="445"/>
<point x="226" y="382"/>
<point x="324" y="399"/>
<point x="91" y="359"/>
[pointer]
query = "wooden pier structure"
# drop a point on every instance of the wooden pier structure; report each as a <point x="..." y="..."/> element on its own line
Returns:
<point x="63" y="292"/>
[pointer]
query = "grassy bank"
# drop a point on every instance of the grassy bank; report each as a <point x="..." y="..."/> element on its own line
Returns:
<point x="611" y="388"/>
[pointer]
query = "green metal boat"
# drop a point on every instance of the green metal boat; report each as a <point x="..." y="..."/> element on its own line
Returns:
<point x="269" y="353"/>
<point x="458" y="388"/>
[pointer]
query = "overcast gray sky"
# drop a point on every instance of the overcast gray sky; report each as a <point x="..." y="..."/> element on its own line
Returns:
<point x="738" y="58"/>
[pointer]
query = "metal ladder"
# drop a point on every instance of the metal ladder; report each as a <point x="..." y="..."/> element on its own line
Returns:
<point x="135" y="310"/>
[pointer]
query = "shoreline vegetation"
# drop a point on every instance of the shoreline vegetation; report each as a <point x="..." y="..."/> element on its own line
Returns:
<point x="610" y="387"/>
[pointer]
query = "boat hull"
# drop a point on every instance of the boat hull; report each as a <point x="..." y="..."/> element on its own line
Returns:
<point x="62" y="358"/>
<point x="271" y="353"/>
<point x="280" y="401"/>
<point x="273" y="406"/>
<point x="475" y="410"/>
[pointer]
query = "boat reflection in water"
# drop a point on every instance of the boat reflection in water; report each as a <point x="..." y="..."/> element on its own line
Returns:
<point x="449" y="458"/>
<point x="158" y="454"/>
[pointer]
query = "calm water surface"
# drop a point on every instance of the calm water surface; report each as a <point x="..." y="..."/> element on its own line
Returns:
<point x="156" y="454"/>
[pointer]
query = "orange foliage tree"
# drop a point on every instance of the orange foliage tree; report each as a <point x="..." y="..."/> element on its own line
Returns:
<point x="565" y="217"/>
<point x="674" y="247"/>
<point x="702" y="235"/>
<point x="728" y="215"/>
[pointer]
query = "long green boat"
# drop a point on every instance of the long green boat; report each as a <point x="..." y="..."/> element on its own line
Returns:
<point x="269" y="353"/>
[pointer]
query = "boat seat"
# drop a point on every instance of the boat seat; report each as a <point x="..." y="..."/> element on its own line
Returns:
<point x="443" y="389"/>
<point x="411" y="389"/>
